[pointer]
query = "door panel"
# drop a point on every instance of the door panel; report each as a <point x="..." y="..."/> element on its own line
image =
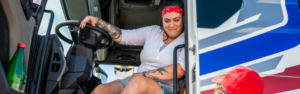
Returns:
<point x="20" y="29"/>
<point x="4" y="39"/>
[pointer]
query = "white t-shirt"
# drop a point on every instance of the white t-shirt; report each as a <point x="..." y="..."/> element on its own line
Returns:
<point x="151" y="37"/>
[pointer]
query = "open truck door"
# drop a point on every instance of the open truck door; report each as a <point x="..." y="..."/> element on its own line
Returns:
<point x="48" y="70"/>
<point x="260" y="34"/>
<point x="191" y="45"/>
<point x="20" y="20"/>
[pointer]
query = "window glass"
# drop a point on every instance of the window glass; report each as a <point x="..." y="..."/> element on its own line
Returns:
<point x="212" y="13"/>
<point x="37" y="2"/>
<point x="55" y="6"/>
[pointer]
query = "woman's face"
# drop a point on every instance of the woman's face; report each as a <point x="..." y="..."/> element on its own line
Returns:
<point x="173" y="24"/>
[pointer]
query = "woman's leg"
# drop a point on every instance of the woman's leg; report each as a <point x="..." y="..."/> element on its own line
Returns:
<point x="142" y="85"/>
<point x="114" y="87"/>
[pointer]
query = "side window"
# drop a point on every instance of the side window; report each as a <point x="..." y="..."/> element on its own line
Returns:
<point x="299" y="4"/>
<point x="212" y="13"/>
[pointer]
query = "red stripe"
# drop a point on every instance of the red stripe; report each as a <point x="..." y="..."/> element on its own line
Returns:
<point x="274" y="84"/>
<point x="211" y="91"/>
<point x="281" y="84"/>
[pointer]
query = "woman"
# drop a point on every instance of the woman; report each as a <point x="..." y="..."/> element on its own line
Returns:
<point x="155" y="74"/>
<point x="239" y="80"/>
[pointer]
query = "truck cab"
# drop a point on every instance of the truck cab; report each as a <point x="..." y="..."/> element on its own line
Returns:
<point x="219" y="34"/>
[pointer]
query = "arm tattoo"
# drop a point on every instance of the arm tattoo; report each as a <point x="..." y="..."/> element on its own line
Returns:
<point x="160" y="70"/>
<point x="112" y="30"/>
<point x="151" y="76"/>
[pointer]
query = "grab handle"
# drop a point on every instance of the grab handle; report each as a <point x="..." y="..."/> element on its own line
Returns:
<point x="175" y="67"/>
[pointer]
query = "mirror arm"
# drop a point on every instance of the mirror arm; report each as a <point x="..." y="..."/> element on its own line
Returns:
<point x="99" y="70"/>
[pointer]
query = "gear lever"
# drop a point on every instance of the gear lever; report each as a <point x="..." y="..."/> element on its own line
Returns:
<point x="74" y="35"/>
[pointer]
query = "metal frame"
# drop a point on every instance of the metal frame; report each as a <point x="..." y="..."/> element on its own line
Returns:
<point x="187" y="75"/>
<point x="38" y="15"/>
<point x="175" y="67"/>
<point x="45" y="48"/>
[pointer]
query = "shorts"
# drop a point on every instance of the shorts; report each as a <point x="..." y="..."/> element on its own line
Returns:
<point x="165" y="88"/>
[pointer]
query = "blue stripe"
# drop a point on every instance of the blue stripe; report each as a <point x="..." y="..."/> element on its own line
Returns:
<point x="256" y="47"/>
<point x="248" y="50"/>
<point x="259" y="67"/>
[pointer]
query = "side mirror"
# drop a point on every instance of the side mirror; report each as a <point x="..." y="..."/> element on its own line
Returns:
<point x="99" y="73"/>
<point x="103" y="78"/>
<point x="123" y="71"/>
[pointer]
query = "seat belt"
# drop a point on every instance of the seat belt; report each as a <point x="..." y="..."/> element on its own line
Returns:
<point x="26" y="8"/>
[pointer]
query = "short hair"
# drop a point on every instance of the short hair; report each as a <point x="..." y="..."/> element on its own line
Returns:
<point x="220" y="89"/>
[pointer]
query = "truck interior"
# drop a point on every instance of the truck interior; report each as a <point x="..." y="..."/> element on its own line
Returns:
<point x="53" y="69"/>
<point x="49" y="71"/>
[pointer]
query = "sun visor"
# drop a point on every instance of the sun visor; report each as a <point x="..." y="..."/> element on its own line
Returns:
<point x="141" y="4"/>
<point x="79" y="9"/>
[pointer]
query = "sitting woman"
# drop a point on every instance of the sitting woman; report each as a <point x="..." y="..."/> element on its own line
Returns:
<point x="155" y="74"/>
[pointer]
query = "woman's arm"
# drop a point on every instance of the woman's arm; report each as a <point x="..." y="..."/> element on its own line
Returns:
<point x="165" y="73"/>
<point x="113" y="31"/>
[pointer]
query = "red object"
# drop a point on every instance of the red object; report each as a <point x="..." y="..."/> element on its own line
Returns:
<point x="22" y="45"/>
<point x="172" y="9"/>
<point x="276" y="84"/>
<point x="241" y="80"/>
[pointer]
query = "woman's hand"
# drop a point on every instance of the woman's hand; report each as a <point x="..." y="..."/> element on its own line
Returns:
<point x="113" y="31"/>
<point x="89" y="19"/>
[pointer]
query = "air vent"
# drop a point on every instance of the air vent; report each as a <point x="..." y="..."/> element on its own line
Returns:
<point x="56" y="57"/>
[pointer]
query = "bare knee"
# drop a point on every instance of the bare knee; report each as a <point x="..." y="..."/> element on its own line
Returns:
<point x="137" y="80"/>
<point x="114" y="87"/>
<point x="140" y="85"/>
<point x="101" y="88"/>
<point x="137" y="83"/>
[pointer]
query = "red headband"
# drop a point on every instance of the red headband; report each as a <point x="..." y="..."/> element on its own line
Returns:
<point x="172" y="9"/>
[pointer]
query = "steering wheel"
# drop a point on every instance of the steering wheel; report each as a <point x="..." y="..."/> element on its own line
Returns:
<point x="85" y="37"/>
